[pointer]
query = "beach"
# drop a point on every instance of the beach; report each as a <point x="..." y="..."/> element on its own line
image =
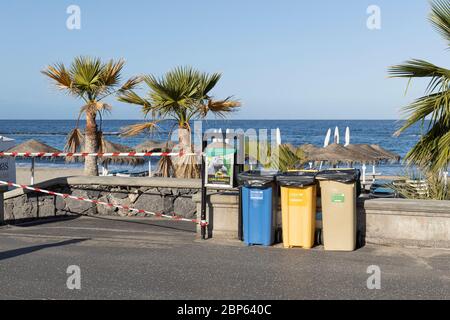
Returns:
<point x="47" y="173"/>
<point x="43" y="174"/>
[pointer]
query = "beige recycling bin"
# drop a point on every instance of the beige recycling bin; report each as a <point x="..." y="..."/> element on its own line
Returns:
<point x="339" y="193"/>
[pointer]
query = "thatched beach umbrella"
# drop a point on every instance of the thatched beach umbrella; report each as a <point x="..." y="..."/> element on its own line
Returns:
<point x="33" y="146"/>
<point x="386" y="155"/>
<point x="335" y="153"/>
<point x="309" y="148"/>
<point x="155" y="146"/>
<point x="375" y="151"/>
<point x="367" y="149"/>
<point x="375" y="157"/>
<point x="107" y="146"/>
<point x="111" y="147"/>
<point x="389" y="155"/>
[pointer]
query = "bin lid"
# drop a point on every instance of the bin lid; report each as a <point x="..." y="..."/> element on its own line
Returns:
<point x="297" y="178"/>
<point x="256" y="178"/>
<point x="339" y="175"/>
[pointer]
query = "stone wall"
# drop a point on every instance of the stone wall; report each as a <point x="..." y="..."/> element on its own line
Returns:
<point x="169" y="196"/>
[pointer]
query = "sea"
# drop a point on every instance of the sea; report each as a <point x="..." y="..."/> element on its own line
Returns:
<point x="296" y="132"/>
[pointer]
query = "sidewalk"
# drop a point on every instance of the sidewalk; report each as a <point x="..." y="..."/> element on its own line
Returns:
<point x="148" y="259"/>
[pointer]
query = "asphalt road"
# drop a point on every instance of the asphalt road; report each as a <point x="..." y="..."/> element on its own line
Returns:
<point x="147" y="259"/>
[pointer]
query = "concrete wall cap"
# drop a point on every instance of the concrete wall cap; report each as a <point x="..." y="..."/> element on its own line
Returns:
<point x="114" y="182"/>
<point x="422" y="206"/>
<point x="219" y="198"/>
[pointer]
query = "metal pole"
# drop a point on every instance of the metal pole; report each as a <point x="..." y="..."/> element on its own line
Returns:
<point x="150" y="166"/>
<point x="32" y="171"/>
<point x="104" y="169"/>
<point x="364" y="172"/>
<point x="2" y="208"/>
<point x="239" y="145"/>
<point x="204" y="191"/>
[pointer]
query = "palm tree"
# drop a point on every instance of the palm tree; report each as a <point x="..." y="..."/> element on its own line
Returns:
<point x="432" y="152"/>
<point x="183" y="95"/>
<point x="90" y="80"/>
<point x="288" y="158"/>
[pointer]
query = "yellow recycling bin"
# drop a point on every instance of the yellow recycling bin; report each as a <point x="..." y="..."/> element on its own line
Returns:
<point x="298" y="208"/>
<point x="339" y="188"/>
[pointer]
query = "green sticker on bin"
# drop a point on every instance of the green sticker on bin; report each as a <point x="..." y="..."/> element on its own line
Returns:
<point x="338" y="198"/>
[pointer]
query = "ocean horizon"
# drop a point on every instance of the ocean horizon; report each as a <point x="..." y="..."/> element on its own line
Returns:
<point x="296" y="132"/>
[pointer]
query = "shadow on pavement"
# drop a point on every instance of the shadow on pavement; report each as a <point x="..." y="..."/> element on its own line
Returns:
<point x="162" y="223"/>
<point x="43" y="221"/>
<point x="22" y="251"/>
<point x="180" y="226"/>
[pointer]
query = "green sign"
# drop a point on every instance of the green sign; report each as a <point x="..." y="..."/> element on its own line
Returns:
<point x="219" y="165"/>
<point x="338" y="198"/>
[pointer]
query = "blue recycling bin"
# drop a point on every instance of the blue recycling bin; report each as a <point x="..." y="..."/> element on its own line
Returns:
<point x="258" y="203"/>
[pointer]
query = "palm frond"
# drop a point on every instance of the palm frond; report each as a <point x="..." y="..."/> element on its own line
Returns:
<point x="110" y="73"/>
<point x="90" y="79"/>
<point x="434" y="106"/>
<point x="432" y="152"/>
<point x="139" y="128"/>
<point x="132" y="97"/>
<point x="182" y="94"/>
<point x="96" y="107"/>
<point x="86" y="75"/>
<point x="440" y="18"/>
<point x="208" y="82"/>
<point x="74" y="141"/>
<point x="433" y="149"/>
<point x="220" y="107"/>
<point x="165" y="167"/>
<point x="440" y="77"/>
<point x="61" y="77"/>
<point x="287" y="157"/>
<point x="131" y="84"/>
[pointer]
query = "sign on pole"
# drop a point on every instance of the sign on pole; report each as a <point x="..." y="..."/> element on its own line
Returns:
<point x="219" y="165"/>
<point x="7" y="164"/>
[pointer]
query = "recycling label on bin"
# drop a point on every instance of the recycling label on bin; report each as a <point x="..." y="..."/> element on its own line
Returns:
<point x="256" y="195"/>
<point x="338" y="198"/>
<point x="296" y="199"/>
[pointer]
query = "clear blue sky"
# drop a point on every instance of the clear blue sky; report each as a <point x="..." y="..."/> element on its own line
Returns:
<point x="289" y="59"/>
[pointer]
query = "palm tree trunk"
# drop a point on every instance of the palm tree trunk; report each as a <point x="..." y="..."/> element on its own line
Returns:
<point x="186" y="165"/>
<point x="91" y="145"/>
<point x="184" y="139"/>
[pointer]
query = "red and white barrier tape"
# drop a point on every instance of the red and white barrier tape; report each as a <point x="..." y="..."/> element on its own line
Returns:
<point x="97" y="154"/>
<point x="106" y="204"/>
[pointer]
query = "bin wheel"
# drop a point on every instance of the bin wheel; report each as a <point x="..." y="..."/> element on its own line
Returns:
<point x="278" y="236"/>
<point x="319" y="237"/>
